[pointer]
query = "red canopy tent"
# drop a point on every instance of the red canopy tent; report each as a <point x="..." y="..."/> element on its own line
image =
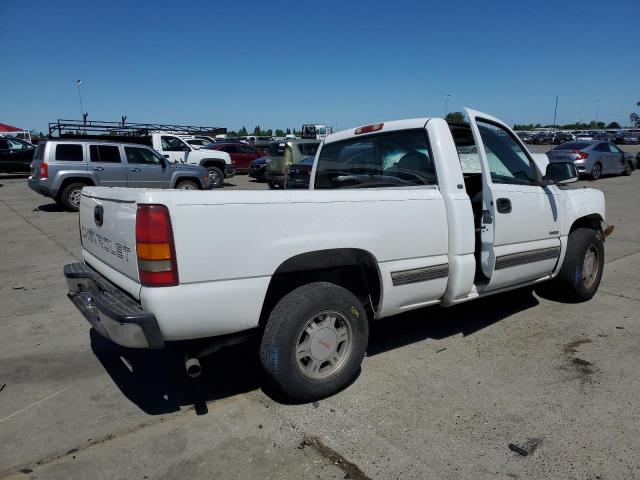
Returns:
<point x="10" y="129"/>
<point x="4" y="128"/>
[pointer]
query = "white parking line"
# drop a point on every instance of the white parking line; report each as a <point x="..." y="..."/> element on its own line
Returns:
<point x="36" y="403"/>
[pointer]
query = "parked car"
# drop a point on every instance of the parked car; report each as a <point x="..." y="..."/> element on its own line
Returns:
<point x="562" y="137"/>
<point x="592" y="158"/>
<point x="627" y="138"/>
<point x="543" y="138"/>
<point x="299" y="174"/>
<point x="62" y="168"/>
<point x="294" y="151"/>
<point x="258" y="168"/>
<point x="241" y="155"/>
<point x="526" y="137"/>
<point x="390" y="225"/>
<point x="15" y="155"/>
<point x="604" y="137"/>
<point x="584" y="137"/>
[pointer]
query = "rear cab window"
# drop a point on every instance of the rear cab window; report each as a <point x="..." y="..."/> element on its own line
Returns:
<point x="389" y="159"/>
<point x="69" y="152"/>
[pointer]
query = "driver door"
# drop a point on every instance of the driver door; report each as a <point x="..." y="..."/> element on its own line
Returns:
<point x="174" y="149"/>
<point x="520" y="227"/>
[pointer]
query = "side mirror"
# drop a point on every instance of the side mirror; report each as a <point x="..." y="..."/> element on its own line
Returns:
<point x="562" y="172"/>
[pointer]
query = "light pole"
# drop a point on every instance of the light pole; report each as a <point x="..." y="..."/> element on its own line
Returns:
<point x="78" y="83"/>
<point x="555" y="113"/>
<point x="598" y="102"/>
<point x="446" y="104"/>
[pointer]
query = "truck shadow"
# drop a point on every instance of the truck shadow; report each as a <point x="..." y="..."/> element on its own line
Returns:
<point x="157" y="383"/>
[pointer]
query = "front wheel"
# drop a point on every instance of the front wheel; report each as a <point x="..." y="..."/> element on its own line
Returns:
<point x="216" y="177"/>
<point x="627" y="170"/>
<point x="314" y="341"/>
<point x="581" y="270"/>
<point x="596" y="171"/>
<point x="187" y="185"/>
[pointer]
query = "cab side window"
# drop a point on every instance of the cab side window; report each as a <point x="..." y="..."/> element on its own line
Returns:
<point x="141" y="156"/>
<point x="173" y="144"/>
<point x="508" y="162"/>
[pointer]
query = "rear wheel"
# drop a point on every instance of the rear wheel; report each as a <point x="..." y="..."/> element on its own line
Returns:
<point x="314" y="341"/>
<point x="627" y="169"/>
<point x="187" y="185"/>
<point x="272" y="185"/>
<point x="582" y="268"/>
<point x="71" y="195"/>
<point x="596" y="171"/>
<point x="215" y="176"/>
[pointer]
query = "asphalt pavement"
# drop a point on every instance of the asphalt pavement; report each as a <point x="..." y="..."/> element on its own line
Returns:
<point x="513" y="386"/>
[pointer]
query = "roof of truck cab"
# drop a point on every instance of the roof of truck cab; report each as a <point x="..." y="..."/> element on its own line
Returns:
<point x="406" y="124"/>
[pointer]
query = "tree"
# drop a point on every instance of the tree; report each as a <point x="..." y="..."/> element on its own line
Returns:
<point x="279" y="133"/>
<point x="635" y="118"/>
<point x="243" y="132"/>
<point x="256" y="130"/>
<point x="288" y="131"/>
<point x="268" y="133"/>
<point x="613" y="125"/>
<point x="455" y="117"/>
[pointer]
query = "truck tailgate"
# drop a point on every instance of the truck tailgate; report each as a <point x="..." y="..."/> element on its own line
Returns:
<point x="108" y="228"/>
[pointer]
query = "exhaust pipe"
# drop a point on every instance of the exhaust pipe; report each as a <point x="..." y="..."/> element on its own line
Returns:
<point x="193" y="367"/>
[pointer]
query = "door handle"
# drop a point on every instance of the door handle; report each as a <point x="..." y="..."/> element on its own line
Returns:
<point x="503" y="205"/>
<point x="166" y="156"/>
<point x="135" y="170"/>
<point x="99" y="169"/>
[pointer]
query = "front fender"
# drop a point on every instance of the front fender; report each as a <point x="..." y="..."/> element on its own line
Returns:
<point x="583" y="203"/>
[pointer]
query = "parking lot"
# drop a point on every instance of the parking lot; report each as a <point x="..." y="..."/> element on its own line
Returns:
<point x="442" y="392"/>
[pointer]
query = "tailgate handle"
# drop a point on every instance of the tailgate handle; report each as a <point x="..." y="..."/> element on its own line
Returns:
<point x="135" y="170"/>
<point x="99" y="169"/>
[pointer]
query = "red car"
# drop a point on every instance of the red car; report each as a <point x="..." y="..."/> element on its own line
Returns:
<point x="242" y="155"/>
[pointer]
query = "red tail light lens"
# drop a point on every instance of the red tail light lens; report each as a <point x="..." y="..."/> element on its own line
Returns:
<point x="581" y="155"/>
<point x="369" y="128"/>
<point x="155" y="247"/>
<point x="44" y="170"/>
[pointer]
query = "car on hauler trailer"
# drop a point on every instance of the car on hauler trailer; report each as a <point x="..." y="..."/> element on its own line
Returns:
<point x="399" y="215"/>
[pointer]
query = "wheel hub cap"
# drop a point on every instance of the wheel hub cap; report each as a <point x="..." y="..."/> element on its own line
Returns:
<point x="324" y="345"/>
<point x="74" y="198"/>
<point x="590" y="267"/>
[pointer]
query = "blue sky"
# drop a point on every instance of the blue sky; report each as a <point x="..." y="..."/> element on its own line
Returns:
<point x="280" y="64"/>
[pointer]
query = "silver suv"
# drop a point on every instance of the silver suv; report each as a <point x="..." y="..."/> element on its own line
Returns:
<point x="61" y="167"/>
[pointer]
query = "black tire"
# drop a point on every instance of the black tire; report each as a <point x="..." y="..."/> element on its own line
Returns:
<point x="287" y="326"/>
<point x="627" y="170"/>
<point x="272" y="185"/>
<point x="571" y="279"/>
<point x="70" y="196"/>
<point x="216" y="175"/>
<point x="596" y="171"/>
<point x="187" y="185"/>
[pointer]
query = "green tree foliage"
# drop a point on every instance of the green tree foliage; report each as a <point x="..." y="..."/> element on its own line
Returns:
<point x="279" y="133"/>
<point x="243" y="132"/>
<point x="256" y="130"/>
<point x="455" y="117"/>
<point x="635" y="118"/>
<point x="613" y="125"/>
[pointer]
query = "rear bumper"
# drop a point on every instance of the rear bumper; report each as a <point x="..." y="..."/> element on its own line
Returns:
<point x="37" y="186"/>
<point x="113" y="313"/>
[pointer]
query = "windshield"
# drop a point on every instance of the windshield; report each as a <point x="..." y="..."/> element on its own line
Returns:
<point x="395" y="159"/>
<point x="572" y="146"/>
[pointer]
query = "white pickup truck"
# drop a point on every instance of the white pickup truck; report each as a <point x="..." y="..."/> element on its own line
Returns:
<point x="400" y="215"/>
<point x="177" y="150"/>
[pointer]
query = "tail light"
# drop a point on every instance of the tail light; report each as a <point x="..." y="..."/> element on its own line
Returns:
<point x="581" y="155"/>
<point x="369" y="128"/>
<point x="155" y="247"/>
<point x="44" y="170"/>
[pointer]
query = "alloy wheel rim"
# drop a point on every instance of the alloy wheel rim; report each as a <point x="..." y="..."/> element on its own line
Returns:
<point x="186" y="187"/>
<point x="597" y="170"/>
<point x="74" y="197"/>
<point x="324" y="345"/>
<point x="214" y="177"/>
<point x="590" y="266"/>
